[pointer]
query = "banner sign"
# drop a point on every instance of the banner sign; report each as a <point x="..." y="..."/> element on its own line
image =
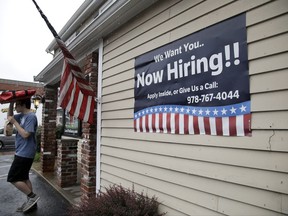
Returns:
<point x="198" y="84"/>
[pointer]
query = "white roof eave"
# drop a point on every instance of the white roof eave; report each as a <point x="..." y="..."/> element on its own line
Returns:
<point x="75" y="21"/>
<point x="101" y="26"/>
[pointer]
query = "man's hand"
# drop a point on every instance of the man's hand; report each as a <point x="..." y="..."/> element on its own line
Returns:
<point x="11" y="119"/>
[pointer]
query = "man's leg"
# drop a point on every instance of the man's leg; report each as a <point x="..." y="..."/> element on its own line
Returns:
<point x="29" y="184"/>
<point x="26" y="188"/>
<point x="19" y="170"/>
<point x="23" y="186"/>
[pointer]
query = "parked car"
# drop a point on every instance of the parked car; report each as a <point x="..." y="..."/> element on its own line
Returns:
<point x="7" y="142"/>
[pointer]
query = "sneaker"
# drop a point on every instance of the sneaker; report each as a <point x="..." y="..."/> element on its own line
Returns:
<point x="30" y="202"/>
<point x="20" y="209"/>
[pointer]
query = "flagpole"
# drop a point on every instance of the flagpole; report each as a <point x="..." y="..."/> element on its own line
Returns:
<point x="46" y="21"/>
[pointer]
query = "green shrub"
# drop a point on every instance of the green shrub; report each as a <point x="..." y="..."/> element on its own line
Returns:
<point x="118" y="201"/>
<point x="38" y="138"/>
<point x="37" y="157"/>
<point x="58" y="131"/>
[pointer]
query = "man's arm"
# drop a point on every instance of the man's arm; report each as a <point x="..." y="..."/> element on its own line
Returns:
<point x="10" y="110"/>
<point x="12" y="120"/>
<point x="20" y="130"/>
<point x="8" y="127"/>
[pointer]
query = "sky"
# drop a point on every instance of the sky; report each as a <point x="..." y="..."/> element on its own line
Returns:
<point x="24" y="36"/>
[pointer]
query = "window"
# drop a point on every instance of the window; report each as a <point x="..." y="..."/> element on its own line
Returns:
<point x="72" y="125"/>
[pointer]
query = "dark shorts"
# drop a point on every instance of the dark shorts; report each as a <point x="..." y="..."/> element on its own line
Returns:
<point x="19" y="170"/>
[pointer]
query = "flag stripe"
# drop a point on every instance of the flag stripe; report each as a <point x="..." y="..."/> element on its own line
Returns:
<point x="232" y="126"/>
<point x="201" y="125"/>
<point x="66" y="103"/>
<point x="154" y="122"/>
<point x="172" y="123"/>
<point x="141" y="124"/>
<point x="212" y="122"/>
<point x="177" y="123"/>
<point x="86" y="115"/>
<point x="164" y="123"/>
<point x="67" y="88"/>
<point x="168" y="122"/>
<point x="150" y="119"/>
<point x="191" y="125"/>
<point x="186" y="124"/>
<point x="136" y="126"/>
<point x="247" y="124"/>
<point x="240" y="125"/>
<point x="72" y="106"/>
<point x="147" y="123"/>
<point x="161" y="122"/>
<point x="196" y="125"/>
<point x="219" y="127"/>
<point x="225" y="126"/>
<point x="157" y="122"/>
<point x="181" y="126"/>
<point x="78" y="104"/>
<point x="207" y="125"/>
<point x="144" y="124"/>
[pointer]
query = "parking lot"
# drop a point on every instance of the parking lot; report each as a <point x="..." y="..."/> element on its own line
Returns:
<point x="50" y="203"/>
<point x="7" y="142"/>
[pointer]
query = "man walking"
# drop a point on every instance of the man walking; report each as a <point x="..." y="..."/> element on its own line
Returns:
<point x="25" y="144"/>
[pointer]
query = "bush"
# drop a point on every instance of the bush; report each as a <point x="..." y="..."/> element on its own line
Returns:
<point x="58" y="131"/>
<point x="37" y="157"/>
<point x="38" y="138"/>
<point x="118" y="201"/>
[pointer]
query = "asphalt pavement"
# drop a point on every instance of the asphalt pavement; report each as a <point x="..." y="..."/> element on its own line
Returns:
<point x="51" y="201"/>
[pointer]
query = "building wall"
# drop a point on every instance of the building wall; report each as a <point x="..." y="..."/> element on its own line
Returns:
<point x="198" y="174"/>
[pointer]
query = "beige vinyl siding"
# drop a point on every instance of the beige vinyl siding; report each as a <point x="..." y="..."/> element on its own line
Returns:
<point x="197" y="174"/>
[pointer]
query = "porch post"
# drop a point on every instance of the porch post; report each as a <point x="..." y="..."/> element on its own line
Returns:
<point x="88" y="146"/>
<point x="48" y="133"/>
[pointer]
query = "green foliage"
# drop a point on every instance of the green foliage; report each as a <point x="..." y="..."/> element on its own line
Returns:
<point x="38" y="138"/>
<point x="37" y="157"/>
<point x="118" y="201"/>
<point x="59" y="131"/>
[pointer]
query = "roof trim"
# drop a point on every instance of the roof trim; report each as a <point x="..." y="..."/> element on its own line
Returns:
<point x="84" y="11"/>
<point x="88" y="38"/>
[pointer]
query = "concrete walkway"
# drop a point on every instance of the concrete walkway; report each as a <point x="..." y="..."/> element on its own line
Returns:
<point x="71" y="194"/>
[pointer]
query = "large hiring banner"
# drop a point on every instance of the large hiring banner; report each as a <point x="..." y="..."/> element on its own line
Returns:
<point x="196" y="85"/>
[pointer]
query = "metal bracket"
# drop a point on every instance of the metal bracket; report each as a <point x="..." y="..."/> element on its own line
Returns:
<point x="98" y="100"/>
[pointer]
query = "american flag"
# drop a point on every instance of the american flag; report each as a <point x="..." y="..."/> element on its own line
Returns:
<point x="231" y="120"/>
<point x="76" y="95"/>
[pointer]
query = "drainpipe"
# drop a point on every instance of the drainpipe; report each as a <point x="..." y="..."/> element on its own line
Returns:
<point x="99" y="119"/>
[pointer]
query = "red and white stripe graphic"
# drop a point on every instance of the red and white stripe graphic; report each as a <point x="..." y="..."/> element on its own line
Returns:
<point x="185" y="120"/>
<point x="176" y="123"/>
